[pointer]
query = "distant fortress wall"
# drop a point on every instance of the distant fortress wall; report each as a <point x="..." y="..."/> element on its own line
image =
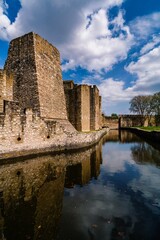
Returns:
<point x="110" y="122"/>
<point x="135" y="120"/>
<point x="127" y="120"/>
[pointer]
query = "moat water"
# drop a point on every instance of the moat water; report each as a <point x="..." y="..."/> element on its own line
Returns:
<point x="108" y="192"/>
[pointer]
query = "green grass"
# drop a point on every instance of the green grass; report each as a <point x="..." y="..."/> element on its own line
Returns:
<point x="150" y="128"/>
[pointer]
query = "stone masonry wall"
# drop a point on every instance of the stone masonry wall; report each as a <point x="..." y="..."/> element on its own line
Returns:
<point x="37" y="76"/>
<point x="78" y="110"/>
<point x="112" y="123"/>
<point x="95" y="108"/>
<point x="6" y="88"/>
<point x="100" y="112"/>
<point x="83" y="106"/>
<point x="1" y="91"/>
<point x="49" y="77"/>
<point x="26" y="128"/>
<point x="71" y="103"/>
<point x="135" y="120"/>
<point x="32" y="100"/>
<point x="21" y="61"/>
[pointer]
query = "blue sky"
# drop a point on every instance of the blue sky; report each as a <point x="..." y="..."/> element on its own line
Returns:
<point x="114" y="44"/>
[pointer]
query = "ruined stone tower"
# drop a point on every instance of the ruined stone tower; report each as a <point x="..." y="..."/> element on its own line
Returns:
<point x="83" y="106"/>
<point x="37" y="83"/>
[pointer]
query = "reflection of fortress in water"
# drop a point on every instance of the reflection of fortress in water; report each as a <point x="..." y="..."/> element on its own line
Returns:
<point x="81" y="171"/>
<point x="121" y="136"/>
<point x="145" y="153"/>
<point x="142" y="152"/>
<point x="31" y="192"/>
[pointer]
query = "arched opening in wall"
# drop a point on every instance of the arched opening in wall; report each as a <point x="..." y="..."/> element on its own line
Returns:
<point x="48" y="137"/>
<point x="24" y="111"/>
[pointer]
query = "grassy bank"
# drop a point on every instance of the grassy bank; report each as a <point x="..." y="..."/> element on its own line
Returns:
<point x="150" y="128"/>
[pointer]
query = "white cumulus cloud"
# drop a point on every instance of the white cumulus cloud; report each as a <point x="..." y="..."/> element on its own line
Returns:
<point x="94" y="48"/>
<point x="147" y="70"/>
<point x="4" y="21"/>
<point x="79" y="28"/>
<point x="150" y="45"/>
<point x="146" y="25"/>
<point x="115" y="96"/>
<point x="86" y="36"/>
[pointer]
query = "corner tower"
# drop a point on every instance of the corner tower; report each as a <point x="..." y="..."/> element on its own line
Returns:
<point x="37" y="84"/>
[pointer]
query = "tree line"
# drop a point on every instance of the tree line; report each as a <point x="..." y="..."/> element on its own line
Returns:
<point x="146" y="106"/>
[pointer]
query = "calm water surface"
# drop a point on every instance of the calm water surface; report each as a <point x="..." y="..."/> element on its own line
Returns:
<point x="123" y="202"/>
<point x="109" y="192"/>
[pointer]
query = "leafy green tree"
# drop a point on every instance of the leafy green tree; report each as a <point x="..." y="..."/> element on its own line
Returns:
<point x="114" y="116"/>
<point x="155" y="104"/>
<point x="141" y="105"/>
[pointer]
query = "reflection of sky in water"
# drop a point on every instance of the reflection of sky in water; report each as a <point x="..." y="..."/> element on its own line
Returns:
<point x="148" y="183"/>
<point x="124" y="203"/>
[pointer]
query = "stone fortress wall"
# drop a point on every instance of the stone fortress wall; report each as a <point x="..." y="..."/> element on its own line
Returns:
<point x="32" y="100"/>
<point x="110" y="122"/>
<point x="126" y="121"/>
<point x="136" y="120"/>
<point x="83" y="106"/>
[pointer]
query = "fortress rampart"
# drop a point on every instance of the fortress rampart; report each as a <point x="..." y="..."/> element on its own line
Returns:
<point x="32" y="101"/>
<point x="34" y="110"/>
<point x="110" y="122"/>
<point x="135" y="121"/>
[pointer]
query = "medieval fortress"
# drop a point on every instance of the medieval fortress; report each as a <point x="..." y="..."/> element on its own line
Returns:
<point x="35" y="104"/>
